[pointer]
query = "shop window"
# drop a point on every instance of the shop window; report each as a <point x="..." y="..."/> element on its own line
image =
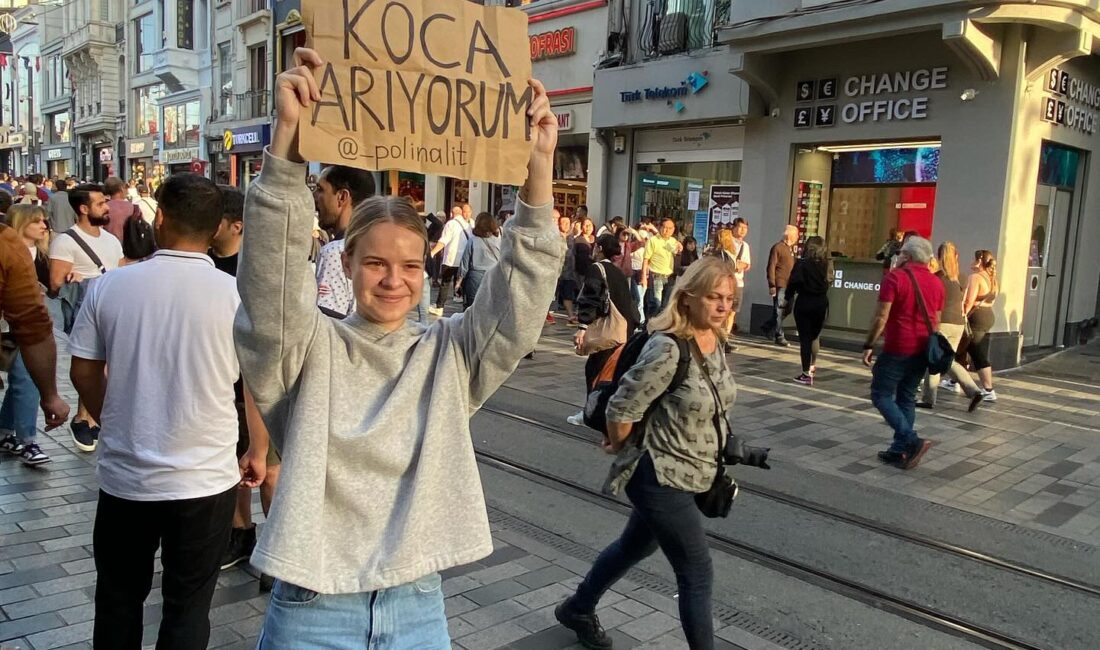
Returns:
<point x="1058" y="165"/>
<point x="148" y="42"/>
<point x="60" y="128"/>
<point x="225" y="79"/>
<point x="145" y="109"/>
<point x="687" y="193"/>
<point x="287" y="43"/>
<point x="181" y="125"/>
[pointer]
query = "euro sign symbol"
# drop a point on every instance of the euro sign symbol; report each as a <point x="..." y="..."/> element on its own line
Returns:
<point x="348" y="148"/>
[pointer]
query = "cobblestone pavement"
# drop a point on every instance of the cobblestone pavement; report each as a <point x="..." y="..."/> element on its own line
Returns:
<point x="1032" y="458"/>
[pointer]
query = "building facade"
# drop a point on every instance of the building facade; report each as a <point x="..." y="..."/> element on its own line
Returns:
<point x="57" y="155"/>
<point x="93" y="50"/>
<point x="963" y="122"/>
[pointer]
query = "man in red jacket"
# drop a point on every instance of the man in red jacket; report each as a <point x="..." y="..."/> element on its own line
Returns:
<point x="904" y="359"/>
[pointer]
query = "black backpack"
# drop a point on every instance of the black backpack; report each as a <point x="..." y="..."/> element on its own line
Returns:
<point x="595" y="408"/>
<point x="138" y="241"/>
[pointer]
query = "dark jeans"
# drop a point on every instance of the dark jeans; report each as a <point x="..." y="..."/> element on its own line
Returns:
<point x="192" y="535"/>
<point x="657" y="294"/>
<point x="774" y="325"/>
<point x="667" y="518"/>
<point x="446" y="285"/>
<point x="894" y="383"/>
<point x="809" y="318"/>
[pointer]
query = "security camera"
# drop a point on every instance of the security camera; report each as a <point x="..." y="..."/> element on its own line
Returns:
<point x="968" y="94"/>
<point x="775" y="112"/>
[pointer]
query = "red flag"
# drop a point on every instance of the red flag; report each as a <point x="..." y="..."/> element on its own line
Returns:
<point x="3" y="60"/>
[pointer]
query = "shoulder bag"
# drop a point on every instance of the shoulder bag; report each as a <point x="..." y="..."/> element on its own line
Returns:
<point x="718" y="499"/>
<point x="72" y="296"/>
<point x="609" y="330"/>
<point x="940" y="353"/>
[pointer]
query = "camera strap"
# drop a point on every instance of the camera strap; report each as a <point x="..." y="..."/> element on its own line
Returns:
<point x="719" y="409"/>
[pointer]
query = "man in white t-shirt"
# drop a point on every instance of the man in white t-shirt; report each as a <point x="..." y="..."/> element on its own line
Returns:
<point x="167" y="467"/>
<point x="146" y="203"/>
<point x="71" y="270"/>
<point x="339" y="190"/>
<point x="451" y="243"/>
<point x="742" y="259"/>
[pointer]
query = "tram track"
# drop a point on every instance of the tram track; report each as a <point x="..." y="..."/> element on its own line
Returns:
<point x="866" y="594"/>
<point x="854" y="520"/>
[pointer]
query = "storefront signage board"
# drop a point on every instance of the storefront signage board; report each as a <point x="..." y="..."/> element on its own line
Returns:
<point x="724" y="206"/>
<point x="106" y="154"/>
<point x="176" y="156"/>
<point x="896" y="96"/>
<point x="565" y="121"/>
<point x="423" y="86"/>
<point x="1074" y="103"/>
<point x="555" y="44"/>
<point x="137" y="147"/>
<point x="55" y="154"/>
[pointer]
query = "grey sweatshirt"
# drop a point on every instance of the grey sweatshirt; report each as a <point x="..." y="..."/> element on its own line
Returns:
<point x="379" y="484"/>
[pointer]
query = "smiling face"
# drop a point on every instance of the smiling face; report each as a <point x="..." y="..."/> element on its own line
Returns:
<point x="386" y="268"/>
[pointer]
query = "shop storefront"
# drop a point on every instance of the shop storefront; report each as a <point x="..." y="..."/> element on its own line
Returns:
<point x="58" y="161"/>
<point x="11" y="147"/>
<point x="905" y="135"/>
<point x="178" y="161"/>
<point x="141" y="160"/>
<point x="673" y="133"/>
<point x="104" y="157"/>
<point x="238" y="158"/>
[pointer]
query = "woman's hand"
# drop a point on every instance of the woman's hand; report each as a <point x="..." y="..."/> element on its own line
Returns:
<point x="578" y="339"/>
<point x="544" y="132"/>
<point x="295" y="89"/>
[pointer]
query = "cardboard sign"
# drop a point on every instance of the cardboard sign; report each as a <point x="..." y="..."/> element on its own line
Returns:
<point x="428" y="86"/>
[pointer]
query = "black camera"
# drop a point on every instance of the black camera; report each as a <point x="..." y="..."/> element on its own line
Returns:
<point x="738" y="453"/>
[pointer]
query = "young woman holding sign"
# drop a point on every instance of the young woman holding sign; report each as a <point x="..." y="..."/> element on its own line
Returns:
<point x="379" y="488"/>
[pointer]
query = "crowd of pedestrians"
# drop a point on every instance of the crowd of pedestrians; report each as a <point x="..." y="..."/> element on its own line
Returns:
<point x="281" y="357"/>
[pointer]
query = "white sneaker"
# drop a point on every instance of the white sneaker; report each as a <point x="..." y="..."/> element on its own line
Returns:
<point x="951" y="385"/>
<point x="989" y="396"/>
<point x="577" y="419"/>
<point x="435" y="311"/>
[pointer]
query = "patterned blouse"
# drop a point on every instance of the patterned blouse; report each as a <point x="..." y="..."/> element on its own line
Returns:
<point x="680" y="435"/>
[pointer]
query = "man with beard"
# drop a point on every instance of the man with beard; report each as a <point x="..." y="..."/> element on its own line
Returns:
<point x="339" y="190"/>
<point x="78" y="255"/>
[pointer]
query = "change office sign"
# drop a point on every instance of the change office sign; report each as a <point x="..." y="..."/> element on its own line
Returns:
<point x="1074" y="103"/>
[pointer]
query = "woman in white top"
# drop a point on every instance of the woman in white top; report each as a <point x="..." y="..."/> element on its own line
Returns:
<point x="482" y="251"/>
<point x="19" y="412"/>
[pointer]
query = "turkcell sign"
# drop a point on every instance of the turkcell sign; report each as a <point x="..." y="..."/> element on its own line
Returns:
<point x="878" y="95"/>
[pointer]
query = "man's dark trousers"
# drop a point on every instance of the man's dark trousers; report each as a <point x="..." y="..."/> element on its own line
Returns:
<point x="774" y="325"/>
<point x="192" y="535"/>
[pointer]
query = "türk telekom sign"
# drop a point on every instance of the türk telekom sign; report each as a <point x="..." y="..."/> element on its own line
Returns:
<point x="555" y="44"/>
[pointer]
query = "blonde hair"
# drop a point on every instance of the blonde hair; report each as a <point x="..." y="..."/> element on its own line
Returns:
<point x="949" y="260"/>
<point x="699" y="279"/>
<point x="383" y="209"/>
<point x="22" y="215"/>
<point x="725" y="240"/>
<point x="934" y="265"/>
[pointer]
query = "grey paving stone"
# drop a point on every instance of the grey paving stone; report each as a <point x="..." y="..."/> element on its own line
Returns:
<point x="458" y="628"/>
<point x="249" y="627"/>
<point x="545" y="576"/>
<point x="78" y="614"/>
<point x="494" y="637"/>
<point x="550" y="594"/>
<point x="498" y="572"/>
<point x="458" y="605"/>
<point x="54" y="532"/>
<point x="496" y="592"/>
<point x="16" y="594"/>
<point x="503" y="553"/>
<point x="538" y="620"/>
<point x="1062" y="468"/>
<point x="958" y="470"/>
<point x="222" y="636"/>
<point x="68" y="583"/>
<point x="1061" y="489"/>
<point x="230" y="613"/>
<point x="633" y="608"/>
<point x="62" y="636"/>
<point x="550" y="638"/>
<point x="1058" y="514"/>
<point x="45" y="604"/>
<point x="493" y="614"/>
<point x="461" y="584"/>
<point x="29" y="625"/>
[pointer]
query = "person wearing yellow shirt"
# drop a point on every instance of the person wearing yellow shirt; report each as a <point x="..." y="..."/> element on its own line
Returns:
<point x="657" y="267"/>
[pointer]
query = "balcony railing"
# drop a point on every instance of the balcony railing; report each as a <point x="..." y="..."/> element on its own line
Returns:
<point x="674" y="26"/>
<point x="246" y="8"/>
<point x="250" y="104"/>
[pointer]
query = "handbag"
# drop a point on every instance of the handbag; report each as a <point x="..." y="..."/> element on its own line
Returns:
<point x="940" y="353"/>
<point x="607" y="331"/>
<point x="718" y="499"/>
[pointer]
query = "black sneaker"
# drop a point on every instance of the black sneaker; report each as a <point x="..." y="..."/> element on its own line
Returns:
<point x="975" y="400"/>
<point x="586" y="626"/>
<point x="924" y="405"/>
<point x="241" y="543"/>
<point x="32" y="455"/>
<point x="84" y="437"/>
<point x="11" y="445"/>
<point x="895" y="458"/>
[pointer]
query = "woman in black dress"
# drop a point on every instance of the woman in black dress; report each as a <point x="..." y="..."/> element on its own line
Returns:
<point x="809" y="283"/>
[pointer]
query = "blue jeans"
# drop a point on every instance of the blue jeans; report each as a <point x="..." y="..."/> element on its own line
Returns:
<point x="637" y="291"/>
<point x="665" y="518"/>
<point x="656" y="296"/>
<point x="406" y="617"/>
<point x="19" y="413"/>
<point x="894" y="382"/>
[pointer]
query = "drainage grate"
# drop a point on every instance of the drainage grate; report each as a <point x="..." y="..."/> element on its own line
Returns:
<point x="1004" y="526"/>
<point x="723" y="613"/>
